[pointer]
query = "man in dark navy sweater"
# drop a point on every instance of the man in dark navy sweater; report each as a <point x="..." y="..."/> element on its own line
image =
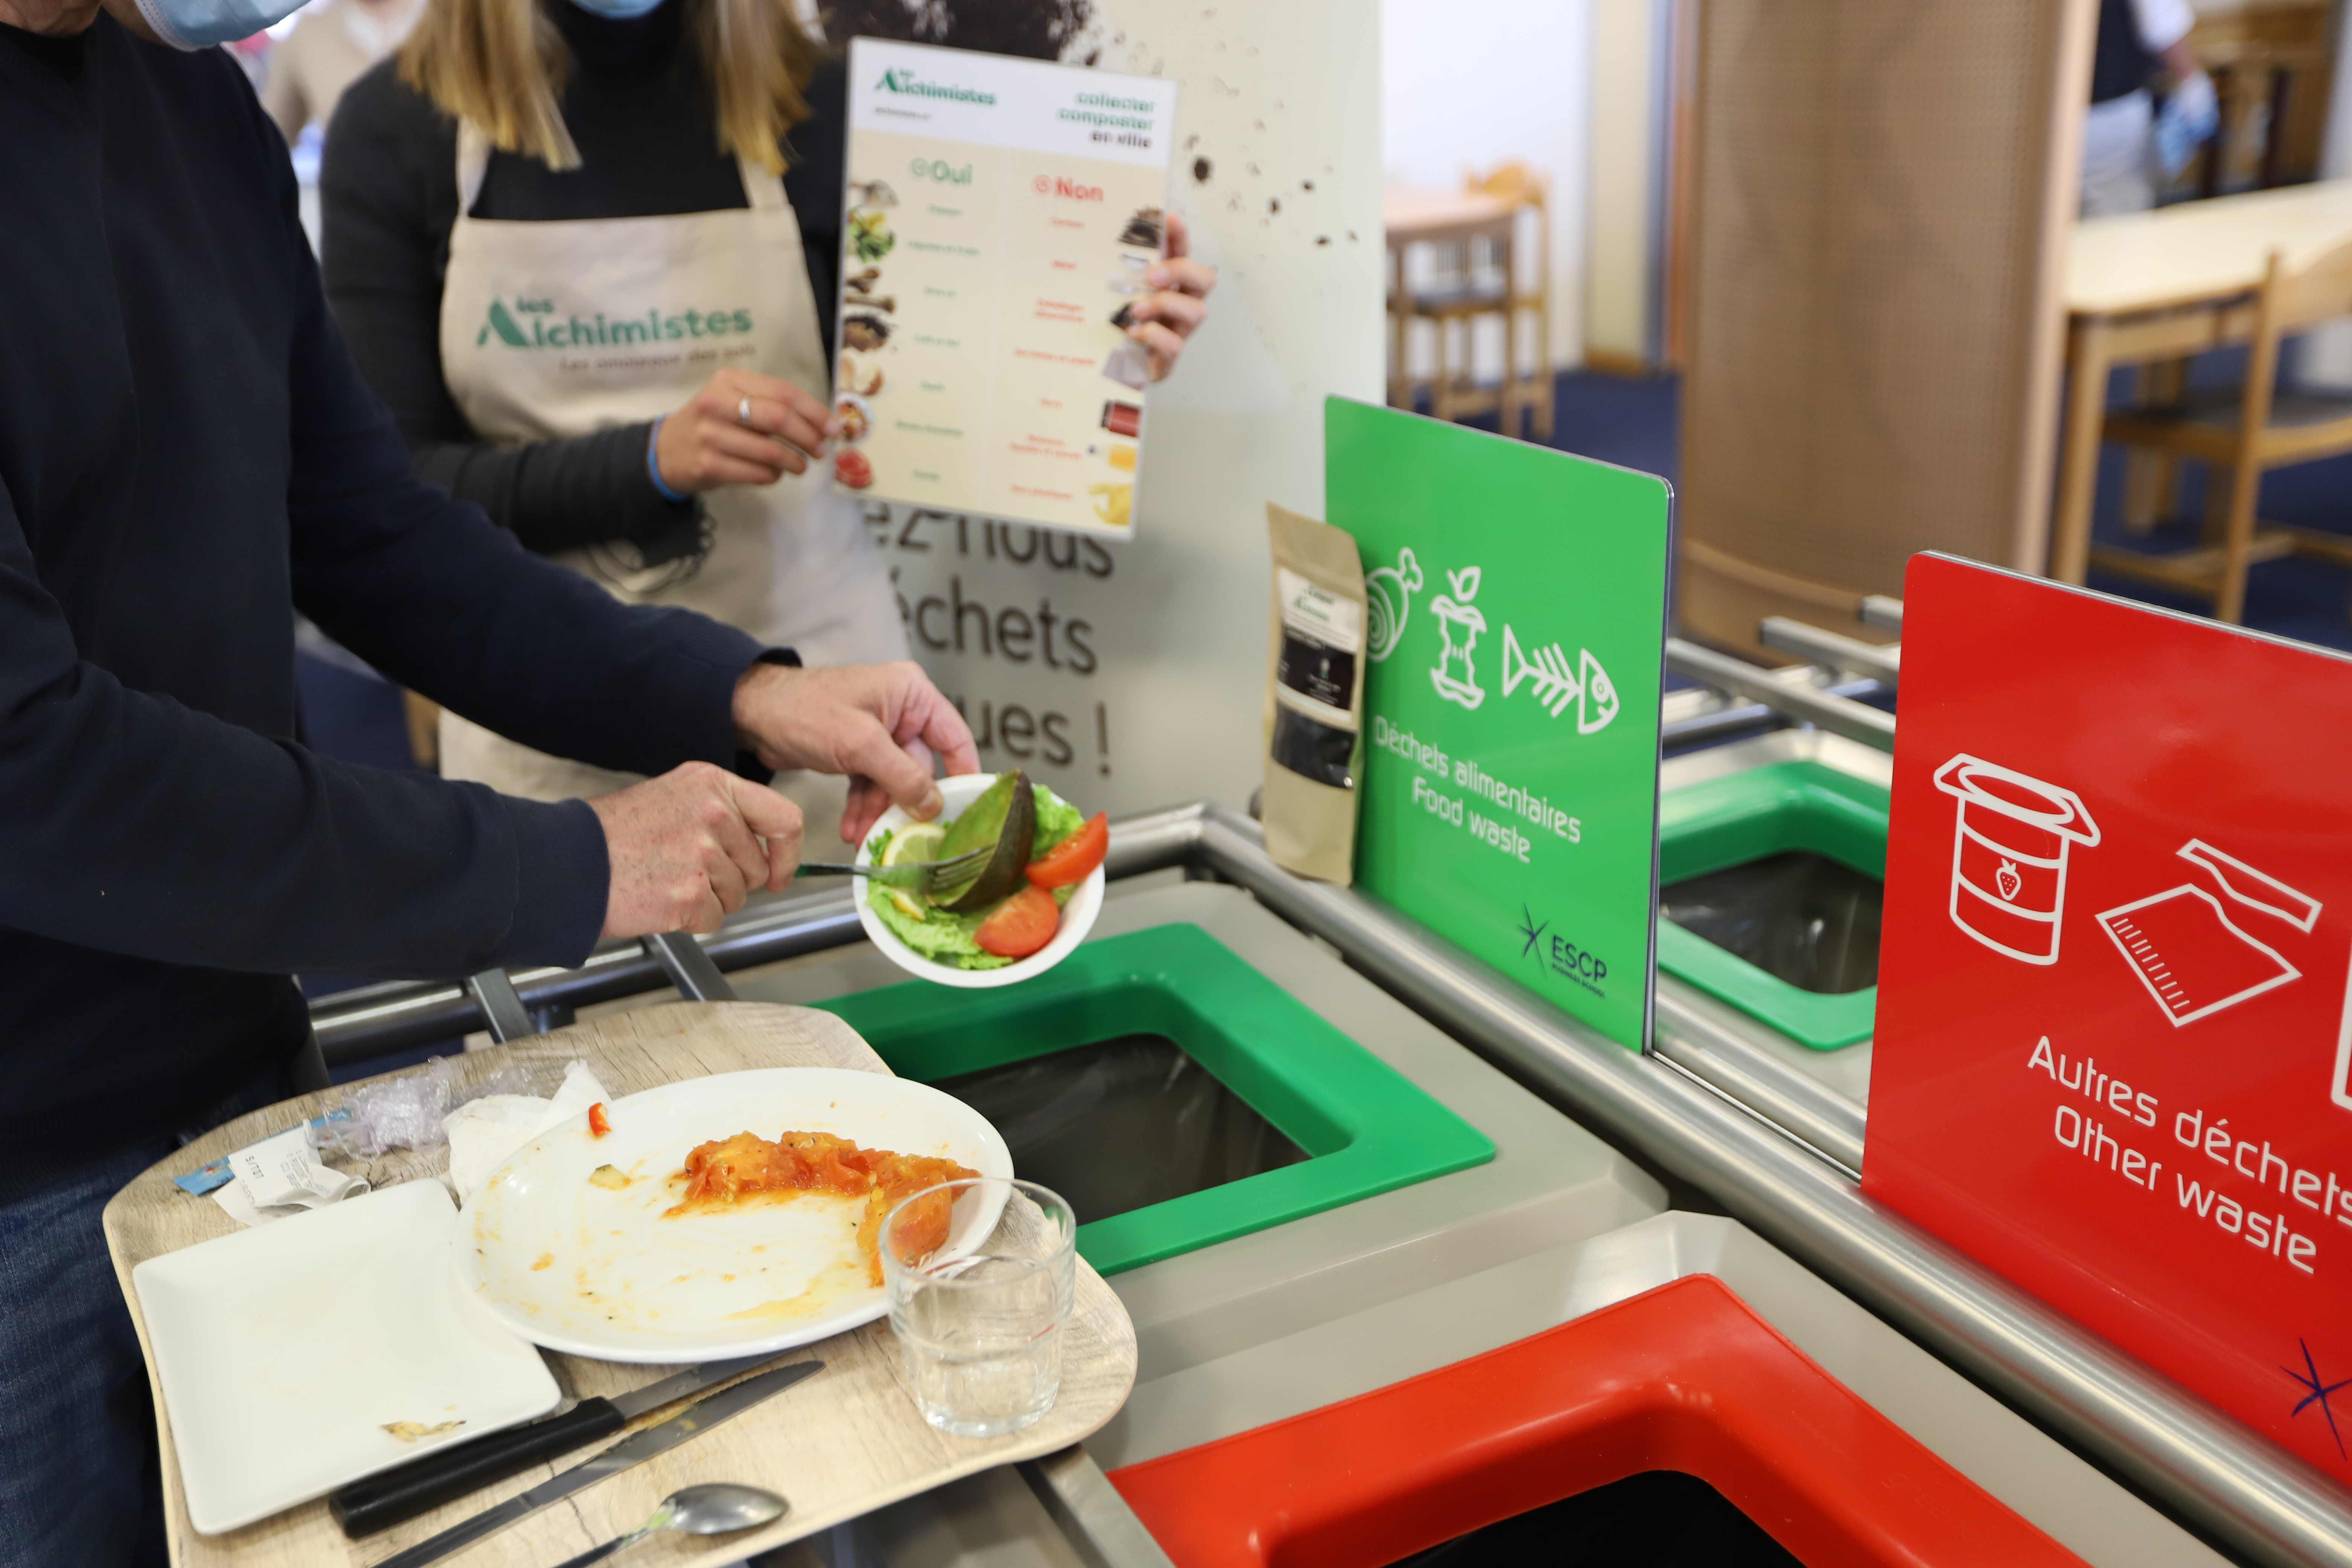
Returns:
<point x="185" y="456"/>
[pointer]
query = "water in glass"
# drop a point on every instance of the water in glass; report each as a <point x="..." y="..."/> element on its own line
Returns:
<point x="982" y="1333"/>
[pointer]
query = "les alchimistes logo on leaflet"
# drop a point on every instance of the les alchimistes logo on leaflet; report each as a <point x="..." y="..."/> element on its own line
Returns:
<point x="898" y="78"/>
<point x="535" y="325"/>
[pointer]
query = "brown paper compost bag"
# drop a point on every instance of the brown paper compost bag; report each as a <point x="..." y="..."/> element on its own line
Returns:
<point x="1314" y="696"/>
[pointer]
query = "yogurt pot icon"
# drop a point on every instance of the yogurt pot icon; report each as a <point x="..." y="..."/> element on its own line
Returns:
<point x="2009" y="856"/>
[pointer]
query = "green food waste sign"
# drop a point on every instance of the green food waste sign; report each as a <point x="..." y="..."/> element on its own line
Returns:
<point x="1509" y="798"/>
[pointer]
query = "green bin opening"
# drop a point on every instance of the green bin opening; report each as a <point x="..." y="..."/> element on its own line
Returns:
<point x="1773" y="881"/>
<point x="1123" y="1124"/>
<point x="1358" y="1126"/>
<point x="1797" y="916"/>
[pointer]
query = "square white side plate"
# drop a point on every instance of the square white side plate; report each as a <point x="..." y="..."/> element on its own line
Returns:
<point x="285" y="1350"/>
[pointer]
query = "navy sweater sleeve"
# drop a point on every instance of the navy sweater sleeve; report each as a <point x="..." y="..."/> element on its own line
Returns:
<point x="434" y="595"/>
<point x="132" y="822"/>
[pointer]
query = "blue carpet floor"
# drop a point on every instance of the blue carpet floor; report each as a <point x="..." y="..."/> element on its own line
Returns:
<point x="2305" y="599"/>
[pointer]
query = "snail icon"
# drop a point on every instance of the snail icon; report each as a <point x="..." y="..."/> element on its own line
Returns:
<point x="1390" y="592"/>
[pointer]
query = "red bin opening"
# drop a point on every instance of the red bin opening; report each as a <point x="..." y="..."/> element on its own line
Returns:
<point x="1685" y="1377"/>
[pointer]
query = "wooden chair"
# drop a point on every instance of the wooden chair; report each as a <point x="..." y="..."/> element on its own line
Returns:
<point x="1526" y="383"/>
<point x="1481" y="255"/>
<point x="2241" y="434"/>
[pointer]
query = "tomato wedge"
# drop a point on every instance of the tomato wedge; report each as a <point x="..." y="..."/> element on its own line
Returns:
<point x="1074" y="859"/>
<point x="597" y="1125"/>
<point x="1022" y="924"/>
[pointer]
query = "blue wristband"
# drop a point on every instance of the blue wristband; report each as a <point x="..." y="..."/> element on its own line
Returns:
<point x="653" y="469"/>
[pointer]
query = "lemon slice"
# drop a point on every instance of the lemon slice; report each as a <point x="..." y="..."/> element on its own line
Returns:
<point x="918" y="843"/>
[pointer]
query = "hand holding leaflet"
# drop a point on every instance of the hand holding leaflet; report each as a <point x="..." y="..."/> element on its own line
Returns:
<point x="1009" y="270"/>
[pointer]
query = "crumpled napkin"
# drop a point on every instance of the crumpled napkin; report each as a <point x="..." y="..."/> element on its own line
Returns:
<point x="483" y="1132"/>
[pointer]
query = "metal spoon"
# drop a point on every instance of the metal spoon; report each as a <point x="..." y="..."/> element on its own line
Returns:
<point x="712" y="1510"/>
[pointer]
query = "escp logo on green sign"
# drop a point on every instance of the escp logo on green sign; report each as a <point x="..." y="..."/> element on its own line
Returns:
<point x="534" y="324"/>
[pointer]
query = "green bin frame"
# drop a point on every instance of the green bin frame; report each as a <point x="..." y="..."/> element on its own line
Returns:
<point x="1746" y="817"/>
<point x="1366" y="1127"/>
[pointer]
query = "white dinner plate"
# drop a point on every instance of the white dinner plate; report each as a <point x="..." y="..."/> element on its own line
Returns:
<point x="1078" y="915"/>
<point x="286" y="1350"/>
<point x="609" y="1273"/>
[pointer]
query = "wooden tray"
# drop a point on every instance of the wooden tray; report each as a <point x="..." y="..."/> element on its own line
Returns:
<point x="845" y="1443"/>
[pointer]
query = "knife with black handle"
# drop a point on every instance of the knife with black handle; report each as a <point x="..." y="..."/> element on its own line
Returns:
<point x="387" y="1498"/>
<point x="629" y="1452"/>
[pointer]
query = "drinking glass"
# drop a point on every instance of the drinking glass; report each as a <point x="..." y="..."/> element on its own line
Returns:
<point x="980" y="1325"/>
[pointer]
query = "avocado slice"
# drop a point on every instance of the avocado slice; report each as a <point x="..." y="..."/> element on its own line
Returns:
<point x="1006" y="815"/>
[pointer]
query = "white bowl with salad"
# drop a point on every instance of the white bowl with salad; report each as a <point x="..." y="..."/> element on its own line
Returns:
<point x="1018" y="913"/>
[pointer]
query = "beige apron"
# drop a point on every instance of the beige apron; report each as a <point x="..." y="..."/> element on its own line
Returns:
<point x="557" y="330"/>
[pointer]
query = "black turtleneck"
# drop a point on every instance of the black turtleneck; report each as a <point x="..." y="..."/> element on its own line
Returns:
<point x="640" y="107"/>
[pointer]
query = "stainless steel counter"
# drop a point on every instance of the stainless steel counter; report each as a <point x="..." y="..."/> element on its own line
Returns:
<point x="2242" y="1492"/>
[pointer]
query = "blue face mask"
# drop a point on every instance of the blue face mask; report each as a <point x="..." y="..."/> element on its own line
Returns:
<point x="200" y="24"/>
<point x="619" y="10"/>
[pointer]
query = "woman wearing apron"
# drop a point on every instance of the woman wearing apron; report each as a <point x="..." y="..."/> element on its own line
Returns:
<point x="567" y="246"/>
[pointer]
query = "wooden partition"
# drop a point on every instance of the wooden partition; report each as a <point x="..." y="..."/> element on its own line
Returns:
<point x="1880" y="198"/>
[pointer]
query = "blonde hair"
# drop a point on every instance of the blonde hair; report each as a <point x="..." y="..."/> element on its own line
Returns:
<point x="500" y="64"/>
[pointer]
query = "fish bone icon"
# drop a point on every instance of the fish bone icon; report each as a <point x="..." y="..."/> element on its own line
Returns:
<point x="1555" y="685"/>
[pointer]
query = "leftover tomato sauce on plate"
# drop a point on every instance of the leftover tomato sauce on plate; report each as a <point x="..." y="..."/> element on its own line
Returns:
<point x="720" y="1174"/>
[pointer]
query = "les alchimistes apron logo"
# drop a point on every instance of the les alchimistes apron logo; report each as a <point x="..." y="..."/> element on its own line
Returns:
<point x="898" y="78"/>
<point x="535" y="325"/>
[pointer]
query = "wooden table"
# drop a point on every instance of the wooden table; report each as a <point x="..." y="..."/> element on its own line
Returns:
<point x="842" y="1444"/>
<point x="1411" y="216"/>
<point x="2157" y="286"/>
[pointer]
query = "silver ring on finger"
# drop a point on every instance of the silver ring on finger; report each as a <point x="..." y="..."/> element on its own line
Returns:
<point x="743" y="411"/>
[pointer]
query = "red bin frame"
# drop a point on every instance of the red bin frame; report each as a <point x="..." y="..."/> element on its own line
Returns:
<point x="1685" y="1377"/>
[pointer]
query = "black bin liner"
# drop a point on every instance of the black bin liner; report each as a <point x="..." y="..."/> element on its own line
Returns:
<point x="1659" y="1518"/>
<point x="1802" y="917"/>
<point x="1122" y="1123"/>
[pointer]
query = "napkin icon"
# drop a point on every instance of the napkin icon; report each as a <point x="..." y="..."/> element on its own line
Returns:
<point x="2194" y="960"/>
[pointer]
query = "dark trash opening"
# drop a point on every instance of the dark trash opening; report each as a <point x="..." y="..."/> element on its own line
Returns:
<point x="1122" y="1125"/>
<point x="1659" y="1518"/>
<point x="1798" y="916"/>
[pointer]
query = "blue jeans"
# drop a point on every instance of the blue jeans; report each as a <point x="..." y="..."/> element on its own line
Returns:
<point x="80" y="1480"/>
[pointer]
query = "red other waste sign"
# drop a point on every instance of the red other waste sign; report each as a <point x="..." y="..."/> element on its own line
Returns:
<point x="2114" y="1049"/>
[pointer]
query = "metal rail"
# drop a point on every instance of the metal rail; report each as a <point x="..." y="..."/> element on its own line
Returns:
<point x="1090" y="1513"/>
<point x="503" y="1013"/>
<point x="1693" y="715"/>
<point x="689" y="968"/>
<point x="1689" y="1035"/>
<point x="1882" y="663"/>
<point x="2249" y="1496"/>
<point x="1806" y="702"/>
<point x="374" y="1020"/>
